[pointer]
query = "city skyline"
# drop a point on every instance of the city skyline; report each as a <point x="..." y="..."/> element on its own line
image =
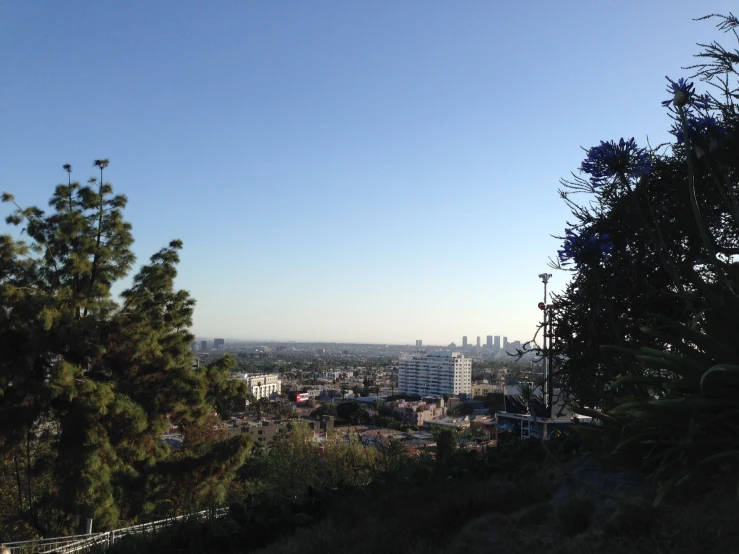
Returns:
<point x="419" y="343"/>
<point x="339" y="171"/>
<point x="199" y="337"/>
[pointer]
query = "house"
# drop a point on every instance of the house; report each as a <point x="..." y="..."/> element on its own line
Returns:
<point x="449" y="423"/>
<point x="264" y="431"/>
<point x="416" y="413"/>
<point x="526" y="419"/>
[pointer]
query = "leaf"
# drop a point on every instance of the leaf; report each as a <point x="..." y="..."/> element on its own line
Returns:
<point x="727" y="368"/>
<point x="708" y="344"/>
<point x="639" y="380"/>
<point x="676" y="360"/>
<point x="720" y="456"/>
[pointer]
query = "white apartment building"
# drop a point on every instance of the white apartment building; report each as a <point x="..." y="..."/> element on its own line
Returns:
<point x="264" y="385"/>
<point x="435" y="374"/>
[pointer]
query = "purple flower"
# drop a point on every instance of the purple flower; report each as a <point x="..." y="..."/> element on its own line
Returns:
<point x="703" y="129"/>
<point x="683" y="94"/>
<point x="584" y="245"/>
<point x="702" y="102"/>
<point x="682" y="91"/>
<point x="611" y="159"/>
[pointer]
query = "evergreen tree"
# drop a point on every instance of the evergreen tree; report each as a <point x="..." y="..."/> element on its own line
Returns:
<point x="224" y="394"/>
<point x="87" y="384"/>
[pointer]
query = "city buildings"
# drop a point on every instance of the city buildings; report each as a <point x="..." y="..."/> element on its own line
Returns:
<point x="492" y="344"/>
<point x="203" y="345"/>
<point x="264" y="385"/>
<point x="483" y="389"/>
<point x="263" y="432"/>
<point x="218" y="342"/>
<point x="419" y="343"/>
<point x="417" y="413"/>
<point x="435" y="374"/>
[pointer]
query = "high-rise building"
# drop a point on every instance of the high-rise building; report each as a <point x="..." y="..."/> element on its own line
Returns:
<point x="489" y="343"/>
<point x="497" y="343"/>
<point x="419" y="343"/>
<point x="218" y="342"/>
<point x="478" y="342"/>
<point x="464" y="342"/>
<point x="435" y="374"/>
<point x="194" y="347"/>
<point x="505" y="342"/>
<point x="203" y="345"/>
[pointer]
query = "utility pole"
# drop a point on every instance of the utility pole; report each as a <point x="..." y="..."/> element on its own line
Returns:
<point x="545" y="358"/>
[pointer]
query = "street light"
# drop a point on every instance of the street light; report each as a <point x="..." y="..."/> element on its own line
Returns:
<point x="543" y="307"/>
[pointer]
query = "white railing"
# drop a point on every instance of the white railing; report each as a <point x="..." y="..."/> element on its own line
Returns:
<point x="82" y="543"/>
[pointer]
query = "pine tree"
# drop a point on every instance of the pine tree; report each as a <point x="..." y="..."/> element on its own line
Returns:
<point x="224" y="394"/>
<point x="88" y="384"/>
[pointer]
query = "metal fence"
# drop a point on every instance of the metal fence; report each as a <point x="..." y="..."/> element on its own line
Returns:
<point x="83" y="543"/>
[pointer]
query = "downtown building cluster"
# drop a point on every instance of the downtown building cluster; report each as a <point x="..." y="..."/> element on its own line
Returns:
<point x="493" y="343"/>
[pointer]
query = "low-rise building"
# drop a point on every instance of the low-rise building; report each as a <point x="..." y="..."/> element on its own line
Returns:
<point x="417" y="413"/>
<point x="267" y="385"/>
<point x="449" y="423"/>
<point x="263" y="432"/>
<point x="483" y="389"/>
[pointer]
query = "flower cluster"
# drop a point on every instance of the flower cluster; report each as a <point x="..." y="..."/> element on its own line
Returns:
<point x="610" y="159"/>
<point x="703" y="129"/>
<point x="584" y="245"/>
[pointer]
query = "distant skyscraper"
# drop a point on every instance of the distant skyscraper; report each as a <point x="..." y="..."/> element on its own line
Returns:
<point x="203" y="345"/>
<point x="489" y="342"/>
<point x="419" y="343"/>
<point x="505" y="342"/>
<point x="464" y="342"/>
<point x="218" y="342"/>
<point x="478" y="342"/>
<point x="194" y="347"/>
<point x="497" y="342"/>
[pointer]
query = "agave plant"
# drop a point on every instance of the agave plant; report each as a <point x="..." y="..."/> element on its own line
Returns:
<point x="683" y="417"/>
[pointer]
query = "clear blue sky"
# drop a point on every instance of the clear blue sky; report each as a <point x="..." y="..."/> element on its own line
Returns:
<point x="351" y="171"/>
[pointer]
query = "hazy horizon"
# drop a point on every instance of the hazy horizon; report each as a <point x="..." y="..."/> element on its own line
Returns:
<point x="348" y="172"/>
<point x="458" y="344"/>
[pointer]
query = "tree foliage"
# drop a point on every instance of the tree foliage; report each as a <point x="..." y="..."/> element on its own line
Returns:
<point x="657" y="264"/>
<point x="646" y="329"/>
<point x="225" y="394"/>
<point x="87" y="383"/>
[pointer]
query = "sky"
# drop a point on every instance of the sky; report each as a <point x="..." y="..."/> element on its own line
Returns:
<point x="366" y="171"/>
